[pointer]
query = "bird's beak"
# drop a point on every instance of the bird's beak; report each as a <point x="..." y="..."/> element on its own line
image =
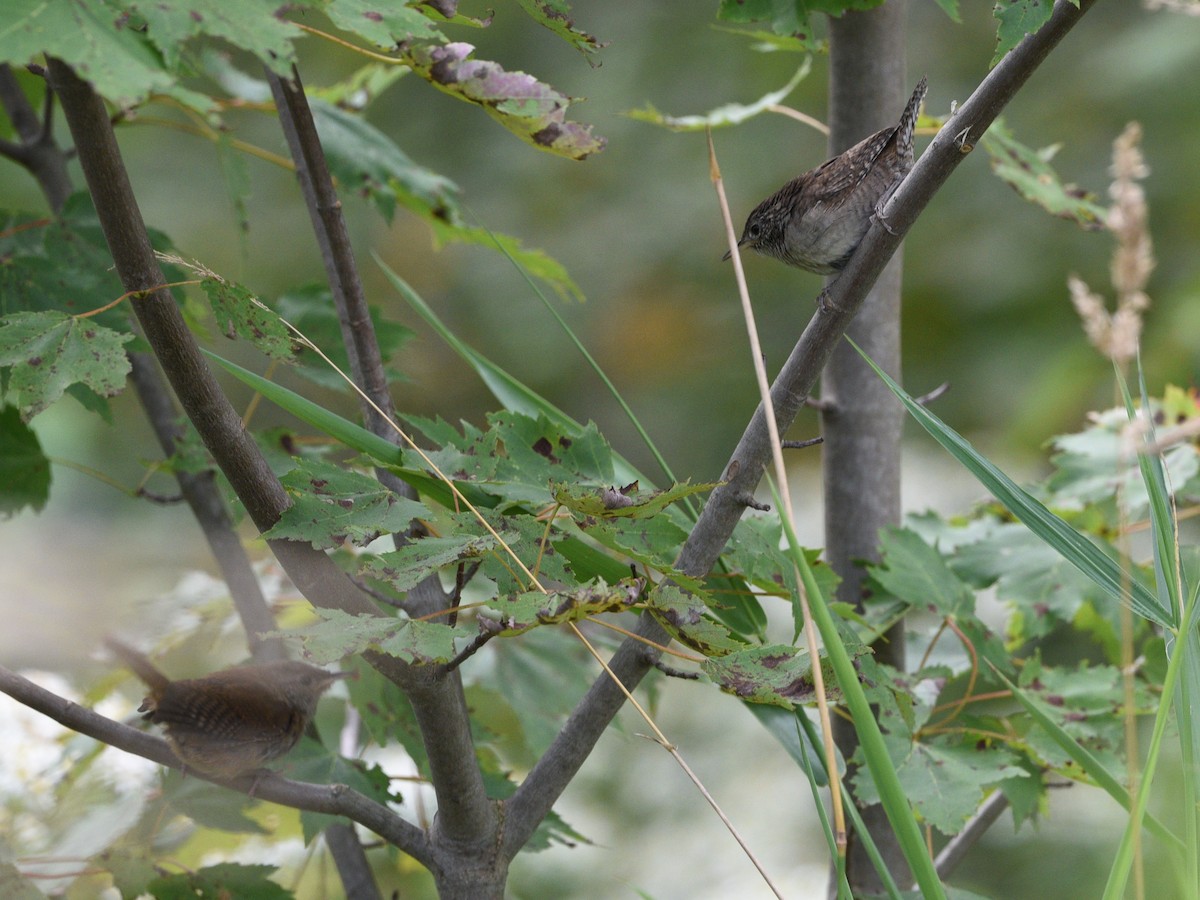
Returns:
<point x="729" y="253"/>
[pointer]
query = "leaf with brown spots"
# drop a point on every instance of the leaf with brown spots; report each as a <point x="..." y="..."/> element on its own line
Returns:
<point x="780" y="675"/>
<point x="534" y="112"/>
<point x="49" y="352"/>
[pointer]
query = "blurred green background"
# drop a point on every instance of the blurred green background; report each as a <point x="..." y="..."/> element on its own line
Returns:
<point x="985" y="308"/>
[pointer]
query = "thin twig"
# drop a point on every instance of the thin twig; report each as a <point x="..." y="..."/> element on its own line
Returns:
<point x="800" y="445"/>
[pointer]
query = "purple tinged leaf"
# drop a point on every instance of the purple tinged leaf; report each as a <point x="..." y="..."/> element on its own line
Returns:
<point x="533" y="111"/>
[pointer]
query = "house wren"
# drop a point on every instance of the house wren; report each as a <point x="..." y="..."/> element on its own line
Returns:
<point x="231" y="722"/>
<point x="816" y="221"/>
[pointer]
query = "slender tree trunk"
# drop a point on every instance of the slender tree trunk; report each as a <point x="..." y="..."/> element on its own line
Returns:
<point x="862" y="421"/>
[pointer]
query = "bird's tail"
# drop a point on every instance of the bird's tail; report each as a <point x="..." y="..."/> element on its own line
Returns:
<point x="908" y="120"/>
<point x="140" y="665"/>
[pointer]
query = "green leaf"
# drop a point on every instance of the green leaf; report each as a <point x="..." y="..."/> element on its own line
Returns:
<point x="780" y="675"/>
<point x="626" y="502"/>
<point x="1086" y="703"/>
<point x="518" y="613"/>
<point x="132" y="869"/>
<point x="915" y="572"/>
<point x="368" y="162"/>
<point x="350" y="434"/>
<point x="535" y="448"/>
<point x="1043" y="586"/>
<point x="331" y="505"/>
<point x="1076" y="548"/>
<point x="770" y="42"/>
<point x="50" y="351"/>
<point x="754" y="554"/>
<point x="950" y="8"/>
<point x="650" y="542"/>
<point x="384" y="24"/>
<point x="340" y="634"/>
<point x="946" y="782"/>
<point x="1091" y="465"/>
<point x="61" y="264"/>
<point x="240" y="313"/>
<point x="1026" y="796"/>
<point x="93" y="39"/>
<point x="254" y="25"/>
<point x="729" y="114"/>
<point x="1018" y="18"/>
<point x="528" y="539"/>
<point x="410" y="565"/>
<point x="1084" y="758"/>
<point x="219" y="882"/>
<point x="785" y="726"/>
<point x="532" y="111"/>
<point x="1030" y="174"/>
<point x="587" y="562"/>
<point x="519" y="456"/>
<point x="386" y="713"/>
<point x="24" y="469"/>
<point x="422" y="643"/>
<point x="315" y="763"/>
<point x="311" y="310"/>
<point x="552" y="15"/>
<point x="355" y="91"/>
<point x="206" y="804"/>
<point x="542" y="683"/>
<point x="789" y="17"/>
<point x="688" y="620"/>
<point x="235" y="172"/>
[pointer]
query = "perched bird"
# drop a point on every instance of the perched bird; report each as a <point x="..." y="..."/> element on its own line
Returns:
<point x="816" y="221"/>
<point x="231" y="722"/>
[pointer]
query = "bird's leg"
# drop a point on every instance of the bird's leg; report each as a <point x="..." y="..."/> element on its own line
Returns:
<point x="878" y="215"/>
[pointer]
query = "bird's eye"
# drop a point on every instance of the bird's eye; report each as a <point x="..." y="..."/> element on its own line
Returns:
<point x="753" y="231"/>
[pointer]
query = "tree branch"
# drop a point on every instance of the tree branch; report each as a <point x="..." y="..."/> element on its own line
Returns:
<point x="861" y="420"/>
<point x="37" y="150"/>
<point x="985" y="817"/>
<point x="218" y="424"/>
<point x="465" y="814"/>
<point x="358" y="881"/>
<point x="337" y="254"/>
<point x="632" y="660"/>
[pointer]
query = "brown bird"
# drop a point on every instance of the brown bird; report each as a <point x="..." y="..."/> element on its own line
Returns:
<point x="816" y="221"/>
<point x="231" y="722"/>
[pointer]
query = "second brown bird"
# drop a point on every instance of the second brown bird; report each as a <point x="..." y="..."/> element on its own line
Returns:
<point x="233" y="721"/>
